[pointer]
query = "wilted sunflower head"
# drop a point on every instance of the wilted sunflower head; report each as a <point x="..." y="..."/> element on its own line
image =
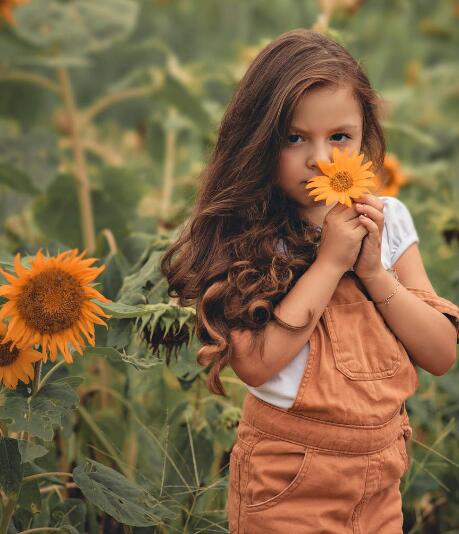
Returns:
<point x="169" y="342"/>
<point x="344" y="178"/>
<point x="15" y="363"/>
<point x="50" y="303"/>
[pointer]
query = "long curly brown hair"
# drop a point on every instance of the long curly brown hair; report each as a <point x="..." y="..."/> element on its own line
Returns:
<point x="228" y="258"/>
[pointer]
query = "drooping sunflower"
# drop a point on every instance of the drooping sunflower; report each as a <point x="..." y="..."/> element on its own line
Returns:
<point x="50" y="303"/>
<point x="391" y="178"/>
<point x="345" y="178"/>
<point x="6" y="9"/>
<point x="15" y="364"/>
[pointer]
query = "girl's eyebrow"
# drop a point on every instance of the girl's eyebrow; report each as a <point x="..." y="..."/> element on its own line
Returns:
<point x="342" y="127"/>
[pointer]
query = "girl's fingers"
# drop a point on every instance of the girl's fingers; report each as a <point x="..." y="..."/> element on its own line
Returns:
<point x="370" y="211"/>
<point x="371" y="200"/>
<point x="369" y="224"/>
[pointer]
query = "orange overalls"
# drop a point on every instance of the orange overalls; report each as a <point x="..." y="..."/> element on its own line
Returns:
<point x="332" y="462"/>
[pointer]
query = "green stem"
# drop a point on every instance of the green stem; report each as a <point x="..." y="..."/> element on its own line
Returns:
<point x="42" y="529"/>
<point x="37" y="476"/>
<point x="101" y="437"/>
<point x="108" y="100"/>
<point x="49" y="373"/>
<point x="36" y="376"/>
<point x="81" y="174"/>
<point x="35" y="381"/>
<point x="7" y="514"/>
<point x="29" y="77"/>
<point x="168" y="170"/>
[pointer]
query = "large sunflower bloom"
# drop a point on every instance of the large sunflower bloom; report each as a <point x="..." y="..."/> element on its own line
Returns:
<point x="6" y="9"/>
<point x="391" y="177"/>
<point x="15" y="364"/>
<point x="345" y="178"/>
<point x="50" y="303"/>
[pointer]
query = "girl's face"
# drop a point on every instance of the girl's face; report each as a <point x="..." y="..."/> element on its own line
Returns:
<point x="325" y="118"/>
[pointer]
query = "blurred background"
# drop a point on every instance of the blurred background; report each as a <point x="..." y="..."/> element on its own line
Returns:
<point x="108" y="112"/>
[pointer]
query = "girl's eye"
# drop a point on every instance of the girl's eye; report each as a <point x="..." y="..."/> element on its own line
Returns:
<point x="340" y="134"/>
<point x="292" y="138"/>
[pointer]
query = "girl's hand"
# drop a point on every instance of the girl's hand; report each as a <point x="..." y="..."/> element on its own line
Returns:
<point x="368" y="262"/>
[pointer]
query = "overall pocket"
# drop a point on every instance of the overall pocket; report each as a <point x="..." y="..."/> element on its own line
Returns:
<point x="274" y="469"/>
<point x="364" y="347"/>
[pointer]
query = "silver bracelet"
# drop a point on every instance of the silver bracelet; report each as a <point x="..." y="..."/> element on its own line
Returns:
<point x="397" y="286"/>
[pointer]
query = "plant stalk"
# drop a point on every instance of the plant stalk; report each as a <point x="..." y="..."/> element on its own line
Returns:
<point x="81" y="174"/>
<point x="168" y="172"/>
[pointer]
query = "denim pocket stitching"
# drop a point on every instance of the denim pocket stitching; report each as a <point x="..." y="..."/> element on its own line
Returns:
<point x="337" y="346"/>
<point x="303" y="469"/>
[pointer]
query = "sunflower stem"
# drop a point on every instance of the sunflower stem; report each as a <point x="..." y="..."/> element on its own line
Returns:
<point x="168" y="170"/>
<point x="7" y="514"/>
<point x="37" y="376"/>
<point x="81" y="174"/>
<point x="108" y="100"/>
<point x="49" y="373"/>
<point x="37" y="476"/>
<point x="30" y="77"/>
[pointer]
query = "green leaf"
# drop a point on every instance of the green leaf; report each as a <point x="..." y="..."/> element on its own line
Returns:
<point x="117" y="496"/>
<point x="69" y="515"/>
<point x="30" y="497"/>
<point x="114" y="194"/>
<point x="16" y="179"/>
<point x="112" y="278"/>
<point x="176" y="94"/>
<point x="31" y="451"/>
<point x="75" y="28"/>
<point x="45" y="411"/>
<point x="112" y="355"/>
<point x="11" y="469"/>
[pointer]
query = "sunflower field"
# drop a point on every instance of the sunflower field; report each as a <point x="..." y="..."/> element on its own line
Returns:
<point x="108" y="112"/>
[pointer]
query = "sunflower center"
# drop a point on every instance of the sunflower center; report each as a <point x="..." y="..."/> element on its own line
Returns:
<point x="7" y="356"/>
<point x="341" y="181"/>
<point x="51" y="301"/>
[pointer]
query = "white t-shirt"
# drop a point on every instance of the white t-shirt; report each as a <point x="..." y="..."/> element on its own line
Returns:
<point x="398" y="234"/>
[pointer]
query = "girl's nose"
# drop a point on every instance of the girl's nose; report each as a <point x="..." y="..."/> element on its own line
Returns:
<point x="311" y="162"/>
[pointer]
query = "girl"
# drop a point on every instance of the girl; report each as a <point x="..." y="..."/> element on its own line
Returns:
<point x="300" y="299"/>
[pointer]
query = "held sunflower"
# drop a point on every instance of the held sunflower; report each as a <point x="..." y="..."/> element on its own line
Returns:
<point x="50" y="303"/>
<point x="345" y="178"/>
<point x="15" y="363"/>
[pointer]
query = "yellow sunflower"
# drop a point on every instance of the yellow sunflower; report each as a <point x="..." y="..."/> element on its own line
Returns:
<point x="345" y="178"/>
<point x="6" y="9"/>
<point x="15" y="364"/>
<point x="391" y="177"/>
<point x="50" y="303"/>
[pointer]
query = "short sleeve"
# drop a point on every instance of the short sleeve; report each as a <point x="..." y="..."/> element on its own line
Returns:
<point x="445" y="306"/>
<point x="401" y="232"/>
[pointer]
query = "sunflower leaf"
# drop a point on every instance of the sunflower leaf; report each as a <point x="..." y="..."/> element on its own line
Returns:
<point x="46" y="410"/>
<point x="17" y="180"/>
<point x="11" y="469"/>
<point x="31" y="451"/>
<point x="30" y="497"/>
<point x="119" y="497"/>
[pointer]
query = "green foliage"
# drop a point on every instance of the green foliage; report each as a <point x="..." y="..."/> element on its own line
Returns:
<point x="128" y="94"/>
<point x="46" y="411"/>
<point x="128" y="503"/>
<point x="66" y="31"/>
<point x="11" y="468"/>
